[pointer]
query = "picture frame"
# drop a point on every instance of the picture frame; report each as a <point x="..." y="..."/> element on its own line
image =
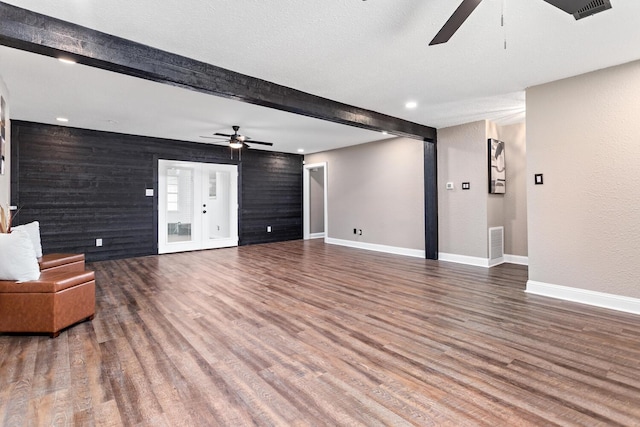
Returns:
<point x="3" y="144"/>
<point x="497" y="167"/>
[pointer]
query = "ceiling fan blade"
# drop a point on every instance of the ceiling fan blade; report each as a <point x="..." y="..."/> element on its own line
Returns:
<point x="212" y="137"/>
<point x="259" y="142"/>
<point x="455" y="21"/>
<point x="222" y="143"/>
<point x="222" y="134"/>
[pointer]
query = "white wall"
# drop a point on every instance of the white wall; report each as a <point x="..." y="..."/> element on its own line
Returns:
<point x="464" y="216"/>
<point x="583" y="134"/>
<point x="377" y="187"/>
<point x="515" y="199"/>
<point x="5" y="180"/>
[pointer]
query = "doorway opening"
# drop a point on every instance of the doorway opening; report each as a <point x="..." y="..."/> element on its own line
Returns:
<point x="316" y="217"/>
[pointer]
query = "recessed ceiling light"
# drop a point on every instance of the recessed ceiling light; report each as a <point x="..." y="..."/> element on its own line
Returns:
<point x="411" y="105"/>
<point x="66" y="60"/>
<point x="300" y="150"/>
<point x="62" y="119"/>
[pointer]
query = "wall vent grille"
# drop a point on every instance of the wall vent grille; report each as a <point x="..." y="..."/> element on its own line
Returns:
<point x="593" y="7"/>
<point x="496" y="243"/>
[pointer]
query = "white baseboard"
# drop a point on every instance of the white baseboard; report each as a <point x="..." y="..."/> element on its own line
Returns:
<point x="497" y="261"/>
<point x="516" y="259"/>
<point x="583" y="296"/>
<point x="483" y="262"/>
<point x="316" y="236"/>
<point x="464" y="259"/>
<point x="417" y="253"/>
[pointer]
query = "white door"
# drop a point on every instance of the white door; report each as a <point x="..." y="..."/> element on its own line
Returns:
<point x="197" y="206"/>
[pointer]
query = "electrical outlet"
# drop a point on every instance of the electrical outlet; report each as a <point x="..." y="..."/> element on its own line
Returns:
<point x="268" y="229"/>
<point x="98" y="242"/>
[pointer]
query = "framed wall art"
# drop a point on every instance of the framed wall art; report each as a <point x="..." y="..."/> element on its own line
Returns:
<point x="497" y="168"/>
<point x="3" y="144"/>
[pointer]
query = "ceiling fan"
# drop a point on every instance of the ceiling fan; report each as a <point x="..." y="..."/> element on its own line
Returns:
<point x="236" y="140"/>
<point x="578" y="8"/>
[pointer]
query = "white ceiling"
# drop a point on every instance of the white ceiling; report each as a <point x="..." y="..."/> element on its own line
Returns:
<point x="372" y="54"/>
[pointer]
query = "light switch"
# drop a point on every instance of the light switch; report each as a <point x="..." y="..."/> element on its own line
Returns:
<point x="466" y="185"/>
<point x="539" y="180"/>
<point x="450" y="186"/>
<point x="148" y="192"/>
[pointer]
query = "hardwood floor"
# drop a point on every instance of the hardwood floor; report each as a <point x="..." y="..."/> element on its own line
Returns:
<point x="304" y="334"/>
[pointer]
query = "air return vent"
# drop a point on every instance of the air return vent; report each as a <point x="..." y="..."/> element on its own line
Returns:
<point x="496" y="245"/>
<point x="595" y="6"/>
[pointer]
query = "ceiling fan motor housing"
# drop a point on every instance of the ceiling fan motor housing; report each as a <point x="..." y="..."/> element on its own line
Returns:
<point x="595" y="6"/>
<point x="581" y="8"/>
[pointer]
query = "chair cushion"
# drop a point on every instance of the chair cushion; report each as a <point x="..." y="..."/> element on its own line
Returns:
<point x="49" y="282"/>
<point x="51" y="261"/>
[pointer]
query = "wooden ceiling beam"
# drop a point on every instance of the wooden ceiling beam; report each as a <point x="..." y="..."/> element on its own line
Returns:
<point x="41" y="34"/>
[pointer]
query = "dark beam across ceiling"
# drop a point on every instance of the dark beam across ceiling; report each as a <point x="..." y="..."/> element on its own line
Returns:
<point x="41" y="34"/>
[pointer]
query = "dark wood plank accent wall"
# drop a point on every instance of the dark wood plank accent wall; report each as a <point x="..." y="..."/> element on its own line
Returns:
<point x="84" y="184"/>
<point x="272" y="196"/>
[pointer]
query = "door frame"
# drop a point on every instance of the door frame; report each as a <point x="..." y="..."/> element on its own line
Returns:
<point x="306" y="201"/>
<point x="234" y="203"/>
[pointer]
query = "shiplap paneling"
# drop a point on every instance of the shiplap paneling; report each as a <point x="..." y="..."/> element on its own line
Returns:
<point x="84" y="184"/>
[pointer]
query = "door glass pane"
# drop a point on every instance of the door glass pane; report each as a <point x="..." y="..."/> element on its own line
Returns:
<point x="219" y="220"/>
<point x="179" y="204"/>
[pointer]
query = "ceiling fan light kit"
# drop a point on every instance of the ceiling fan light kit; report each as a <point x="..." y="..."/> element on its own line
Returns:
<point x="578" y="8"/>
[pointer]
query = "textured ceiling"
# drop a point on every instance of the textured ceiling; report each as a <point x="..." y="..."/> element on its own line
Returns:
<point x="372" y="54"/>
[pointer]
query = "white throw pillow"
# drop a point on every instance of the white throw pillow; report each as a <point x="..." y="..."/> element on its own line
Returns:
<point x="33" y="230"/>
<point x="17" y="257"/>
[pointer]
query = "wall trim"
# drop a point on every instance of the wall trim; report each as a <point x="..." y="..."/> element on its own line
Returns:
<point x="584" y="296"/>
<point x="464" y="259"/>
<point x="417" y="253"/>
<point x="496" y="261"/>
<point x="516" y="259"/>
<point x="483" y="262"/>
<point x="315" y="236"/>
